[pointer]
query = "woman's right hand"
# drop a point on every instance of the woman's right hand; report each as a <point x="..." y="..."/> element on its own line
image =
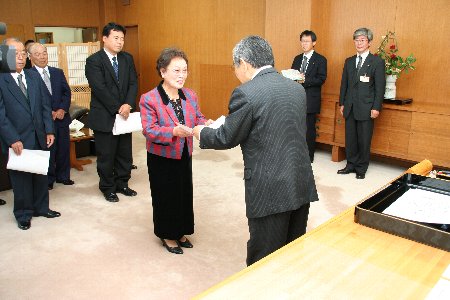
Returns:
<point x="181" y="131"/>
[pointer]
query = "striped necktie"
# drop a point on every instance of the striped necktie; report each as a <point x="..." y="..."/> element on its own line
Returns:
<point x="116" y="67"/>
<point x="47" y="80"/>
<point x="303" y="67"/>
<point x="358" y="67"/>
<point x="22" y="86"/>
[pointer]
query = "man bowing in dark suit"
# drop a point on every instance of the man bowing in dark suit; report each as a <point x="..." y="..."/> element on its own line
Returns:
<point x="267" y="118"/>
<point x="26" y="123"/>
<point x="112" y="78"/>
<point x="59" y="91"/>
<point x="313" y="68"/>
<point x="361" y="97"/>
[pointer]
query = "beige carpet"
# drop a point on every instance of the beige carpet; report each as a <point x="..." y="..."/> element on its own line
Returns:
<point x="102" y="250"/>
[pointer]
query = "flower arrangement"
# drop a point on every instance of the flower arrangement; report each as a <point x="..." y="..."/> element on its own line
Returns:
<point x="395" y="64"/>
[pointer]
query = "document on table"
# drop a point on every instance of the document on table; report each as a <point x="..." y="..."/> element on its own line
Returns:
<point x="217" y="123"/>
<point x="133" y="123"/>
<point x="30" y="161"/>
<point x="76" y="125"/>
<point x="421" y="206"/>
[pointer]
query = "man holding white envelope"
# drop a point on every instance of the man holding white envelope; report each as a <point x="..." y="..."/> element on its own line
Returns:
<point x="112" y="77"/>
<point x="26" y="124"/>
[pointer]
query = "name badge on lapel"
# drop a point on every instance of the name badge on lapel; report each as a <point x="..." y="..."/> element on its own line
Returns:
<point x="364" y="78"/>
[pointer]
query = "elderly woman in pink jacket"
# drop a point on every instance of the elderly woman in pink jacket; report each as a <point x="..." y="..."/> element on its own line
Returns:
<point x="168" y="114"/>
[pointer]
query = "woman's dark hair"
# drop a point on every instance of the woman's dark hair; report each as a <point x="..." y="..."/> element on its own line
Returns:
<point x="166" y="57"/>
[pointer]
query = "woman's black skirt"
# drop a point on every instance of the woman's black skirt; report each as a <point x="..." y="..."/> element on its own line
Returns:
<point x="172" y="198"/>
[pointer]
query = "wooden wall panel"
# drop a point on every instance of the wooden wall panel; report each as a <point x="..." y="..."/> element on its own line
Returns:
<point x="206" y="30"/>
<point x="216" y="100"/>
<point x="80" y="13"/>
<point x="413" y="21"/>
<point x="31" y="13"/>
<point x="107" y="13"/>
<point x="285" y="20"/>
<point x="14" y="30"/>
<point x="337" y="20"/>
<point x="17" y="16"/>
<point x="421" y="28"/>
<point x="127" y="15"/>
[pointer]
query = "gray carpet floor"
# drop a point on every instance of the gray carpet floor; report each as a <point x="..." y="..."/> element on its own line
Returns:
<point x="102" y="250"/>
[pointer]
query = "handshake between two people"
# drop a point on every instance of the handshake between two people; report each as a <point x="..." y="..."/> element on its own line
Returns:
<point x="182" y="131"/>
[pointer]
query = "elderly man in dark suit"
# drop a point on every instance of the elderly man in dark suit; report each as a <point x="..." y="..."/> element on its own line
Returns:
<point x="267" y="118"/>
<point x="26" y="123"/>
<point x="113" y="81"/>
<point x="361" y="97"/>
<point x="59" y="91"/>
<point x="313" y="67"/>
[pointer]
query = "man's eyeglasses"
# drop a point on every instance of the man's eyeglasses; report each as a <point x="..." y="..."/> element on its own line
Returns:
<point x="21" y="53"/>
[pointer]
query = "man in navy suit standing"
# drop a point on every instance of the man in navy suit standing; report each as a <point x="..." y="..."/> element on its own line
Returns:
<point x="313" y="67"/>
<point x="112" y="77"/>
<point x="26" y="123"/>
<point x="59" y="91"/>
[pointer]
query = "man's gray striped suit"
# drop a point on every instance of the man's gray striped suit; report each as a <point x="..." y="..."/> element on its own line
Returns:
<point x="267" y="117"/>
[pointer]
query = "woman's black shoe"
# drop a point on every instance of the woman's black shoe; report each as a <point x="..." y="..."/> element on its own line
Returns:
<point x="176" y="250"/>
<point x="185" y="244"/>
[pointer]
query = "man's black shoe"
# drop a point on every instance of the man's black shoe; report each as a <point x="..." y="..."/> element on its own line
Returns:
<point x="66" y="181"/>
<point x="346" y="170"/>
<point x="49" y="214"/>
<point x="111" y="197"/>
<point x="127" y="191"/>
<point x="24" y="225"/>
<point x="360" y="175"/>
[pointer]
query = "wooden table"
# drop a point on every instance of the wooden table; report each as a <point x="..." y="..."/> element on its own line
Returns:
<point x="74" y="162"/>
<point x="339" y="260"/>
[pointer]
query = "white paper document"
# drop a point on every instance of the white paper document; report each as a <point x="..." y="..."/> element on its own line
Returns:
<point x="439" y="291"/>
<point x="292" y="74"/>
<point x="133" y="123"/>
<point x="30" y="161"/>
<point x="76" y="125"/>
<point x="421" y="206"/>
<point x="217" y="123"/>
<point x="185" y="128"/>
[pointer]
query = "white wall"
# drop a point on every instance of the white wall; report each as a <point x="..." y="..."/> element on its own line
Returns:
<point x="63" y="34"/>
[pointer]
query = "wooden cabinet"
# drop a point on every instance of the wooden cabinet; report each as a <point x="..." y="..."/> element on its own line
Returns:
<point x="391" y="133"/>
<point x="409" y="132"/>
<point x="430" y="138"/>
<point x="325" y="122"/>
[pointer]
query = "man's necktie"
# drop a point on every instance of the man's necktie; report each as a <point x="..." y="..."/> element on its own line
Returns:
<point x="116" y="67"/>
<point x="303" y="67"/>
<point x="22" y="86"/>
<point x="358" y="67"/>
<point x="47" y="81"/>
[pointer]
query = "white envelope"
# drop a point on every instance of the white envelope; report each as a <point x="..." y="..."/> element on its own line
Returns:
<point x="133" y="123"/>
<point x="30" y="161"/>
<point x="75" y="125"/>
<point x="217" y="123"/>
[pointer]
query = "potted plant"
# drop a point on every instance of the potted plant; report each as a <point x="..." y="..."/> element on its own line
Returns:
<point x="395" y="64"/>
